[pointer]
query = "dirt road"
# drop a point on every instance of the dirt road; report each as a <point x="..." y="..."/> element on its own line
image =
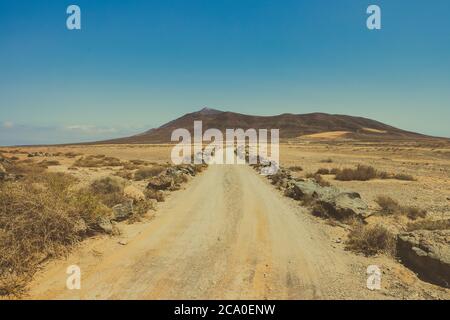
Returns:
<point x="228" y="235"/>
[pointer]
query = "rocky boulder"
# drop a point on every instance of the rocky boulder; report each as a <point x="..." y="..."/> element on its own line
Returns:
<point x="123" y="211"/>
<point x="342" y="205"/>
<point x="161" y="182"/>
<point x="427" y="253"/>
<point x="300" y="190"/>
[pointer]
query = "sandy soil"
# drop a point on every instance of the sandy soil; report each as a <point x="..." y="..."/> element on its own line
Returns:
<point x="229" y="234"/>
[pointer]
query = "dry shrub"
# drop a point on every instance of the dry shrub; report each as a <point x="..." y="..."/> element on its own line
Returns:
<point x="97" y="161"/>
<point x="387" y="205"/>
<point x="429" y="225"/>
<point x="414" y="213"/>
<point x="323" y="171"/>
<point x="124" y="174"/>
<point x="109" y="190"/>
<point x="138" y="162"/>
<point x="140" y="209"/>
<point x="24" y="168"/>
<point x="334" y="171"/>
<point x="371" y="240"/>
<point x="361" y="173"/>
<point x="72" y="154"/>
<point x="404" y="177"/>
<point x="318" y="179"/>
<point x="37" y="223"/>
<point x="49" y="163"/>
<point x="148" y="172"/>
<point x="390" y="206"/>
<point x="154" y="194"/>
<point x="295" y="168"/>
<point x="329" y="160"/>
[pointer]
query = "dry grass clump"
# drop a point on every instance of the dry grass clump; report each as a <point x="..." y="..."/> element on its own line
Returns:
<point x="71" y="154"/>
<point x="323" y="171"/>
<point x="404" y="177"/>
<point x="371" y="240"/>
<point x="154" y="194"/>
<point x="148" y="172"/>
<point x="318" y="179"/>
<point x="295" y="168"/>
<point x="389" y="206"/>
<point x="109" y="190"/>
<point x="365" y="173"/>
<point x="49" y="163"/>
<point x="429" y="225"/>
<point x="361" y="173"/>
<point x="124" y="174"/>
<point x="329" y="160"/>
<point x="97" y="161"/>
<point x="40" y="220"/>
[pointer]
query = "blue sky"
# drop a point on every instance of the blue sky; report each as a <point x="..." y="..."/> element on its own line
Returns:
<point x="137" y="64"/>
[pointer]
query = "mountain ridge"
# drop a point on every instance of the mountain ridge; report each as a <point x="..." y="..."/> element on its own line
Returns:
<point x="291" y="126"/>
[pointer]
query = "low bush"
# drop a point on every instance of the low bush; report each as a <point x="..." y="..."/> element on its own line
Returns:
<point x="371" y="240"/>
<point x="97" y="161"/>
<point x="295" y="168"/>
<point x="390" y="206"/>
<point x="109" y="190"/>
<point x="154" y="194"/>
<point x="387" y="205"/>
<point x="404" y="177"/>
<point x="429" y="225"/>
<point x="318" y="179"/>
<point x="148" y="172"/>
<point x="41" y="219"/>
<point x="323" y="171"/>
<point x="361" y="173"/>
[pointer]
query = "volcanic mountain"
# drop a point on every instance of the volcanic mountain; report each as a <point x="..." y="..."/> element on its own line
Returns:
<point x="307" y="126"/>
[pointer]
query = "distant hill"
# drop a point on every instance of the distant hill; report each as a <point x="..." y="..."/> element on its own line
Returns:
<point x="303" y="126"/>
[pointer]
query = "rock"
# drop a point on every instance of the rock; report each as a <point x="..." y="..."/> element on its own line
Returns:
<point x="123" y="242"/>
<point x="161" y="182"/>
<point x="133" y="193"/>
<point x="299" y="190"/>
<point x="122" y="211"/>
<point x="342" y="205"/>
<point x="427" y="253"/>
<point x="105" y="225"/>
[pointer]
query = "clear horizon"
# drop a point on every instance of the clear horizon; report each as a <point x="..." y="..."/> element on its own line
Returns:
<point x="136" y="65"/>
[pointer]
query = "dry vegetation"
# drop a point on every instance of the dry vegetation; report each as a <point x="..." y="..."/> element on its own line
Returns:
<point x="41" y="217"/>
<point x="43" y="214"/>
<point x="365" y="173"/>
<point x="96" y="161"/>
<point x="390" y="206"/>
<point x="148" y="172"/>
<point x="429" y="224"/>
<point x="370" y="240"/>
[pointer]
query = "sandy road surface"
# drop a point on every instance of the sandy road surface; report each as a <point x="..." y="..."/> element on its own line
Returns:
<point x="228" y="235"/>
